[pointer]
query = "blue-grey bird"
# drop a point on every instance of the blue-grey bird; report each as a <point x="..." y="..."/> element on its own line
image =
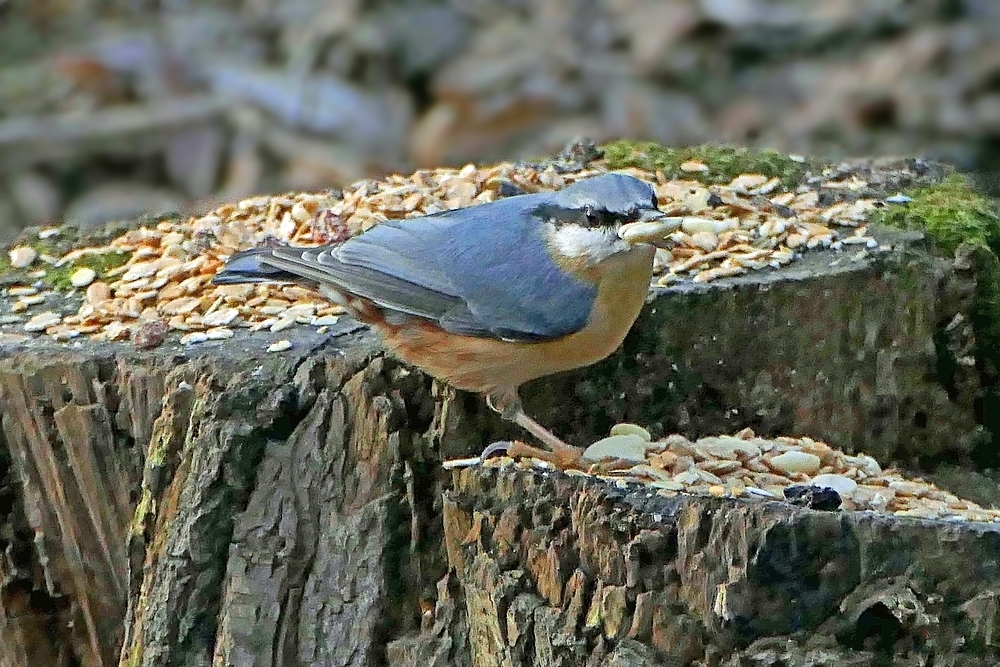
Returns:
<point x="490" y="296"/>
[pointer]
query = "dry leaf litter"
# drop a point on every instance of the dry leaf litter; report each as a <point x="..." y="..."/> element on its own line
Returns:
<point x="751" y="223"/>
<point x="746" y="466"/>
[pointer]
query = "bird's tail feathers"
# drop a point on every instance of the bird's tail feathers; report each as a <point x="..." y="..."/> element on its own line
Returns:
<point x="249" y="266"/>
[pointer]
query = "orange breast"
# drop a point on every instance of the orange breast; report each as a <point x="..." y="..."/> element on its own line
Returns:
<point x="482" y="364"/>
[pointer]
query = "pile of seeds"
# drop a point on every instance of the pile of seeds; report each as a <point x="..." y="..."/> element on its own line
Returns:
<point x="750" y="223"/>
<point x="746" y="466"/>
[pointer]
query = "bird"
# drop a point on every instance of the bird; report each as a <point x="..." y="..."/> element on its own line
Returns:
<point x="490" y="296"/>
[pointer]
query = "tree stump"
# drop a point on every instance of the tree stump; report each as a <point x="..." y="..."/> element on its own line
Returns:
<point x="218" y="504"/>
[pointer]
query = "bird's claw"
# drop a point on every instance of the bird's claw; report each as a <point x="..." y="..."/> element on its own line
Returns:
<point x="498" y="448"/>
<point x="492" y="450"/>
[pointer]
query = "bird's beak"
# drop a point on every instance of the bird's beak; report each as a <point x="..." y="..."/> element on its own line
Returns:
<point x="653" y="226"/>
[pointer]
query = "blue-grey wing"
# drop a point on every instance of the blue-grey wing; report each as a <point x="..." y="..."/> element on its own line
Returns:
<point x="481" y="271"/>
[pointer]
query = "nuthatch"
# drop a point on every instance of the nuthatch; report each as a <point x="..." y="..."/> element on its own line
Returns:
<point x="490" y="296"/>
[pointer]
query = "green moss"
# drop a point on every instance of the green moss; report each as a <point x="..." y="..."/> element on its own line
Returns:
<point x="56" y="246"/>
<point x="142" y="509"/>
<point x="135" y="654"/>
<point x="59" y="278"/>
<point x="951" y="212"/>
<point x="724" y="162"/>
<point x="157" y="455"/>
<point x="70" y="238"/>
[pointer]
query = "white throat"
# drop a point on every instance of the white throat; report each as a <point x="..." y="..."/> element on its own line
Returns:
<point x="592" y="244"/>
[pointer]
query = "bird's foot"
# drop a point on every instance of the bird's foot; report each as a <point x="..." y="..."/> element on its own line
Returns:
<point x="566" y="457"/>
<point x="508" y="404"/>
<point x="517" y="449"/>
<point x="514" y="449"/>
<point x="563" y="450"/>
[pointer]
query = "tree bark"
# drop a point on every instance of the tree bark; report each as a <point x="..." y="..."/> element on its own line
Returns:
<point x="558" y="570"/>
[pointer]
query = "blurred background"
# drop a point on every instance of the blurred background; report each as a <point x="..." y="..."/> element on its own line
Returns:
<point x="114" y="109"/>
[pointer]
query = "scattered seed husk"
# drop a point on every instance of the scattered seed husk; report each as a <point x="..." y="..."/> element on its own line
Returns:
<point x="743" y="465"/>
<point x="726" y="230"/>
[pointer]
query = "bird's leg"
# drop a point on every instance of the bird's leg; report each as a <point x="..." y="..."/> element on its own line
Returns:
<point x="506" y="401"/>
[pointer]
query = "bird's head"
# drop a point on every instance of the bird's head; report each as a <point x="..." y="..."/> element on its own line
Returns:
<point x="598" y="217"/>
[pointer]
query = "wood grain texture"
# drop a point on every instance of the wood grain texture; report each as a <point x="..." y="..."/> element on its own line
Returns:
<point x="648" y="580"/>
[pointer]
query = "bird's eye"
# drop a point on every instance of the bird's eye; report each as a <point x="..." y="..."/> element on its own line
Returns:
<point x="591" y="213"/>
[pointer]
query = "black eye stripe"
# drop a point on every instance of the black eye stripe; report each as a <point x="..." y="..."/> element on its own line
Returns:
<point x="604" y="218"/>
<point x="600" y="217"/>
<point x="588" y="216"/>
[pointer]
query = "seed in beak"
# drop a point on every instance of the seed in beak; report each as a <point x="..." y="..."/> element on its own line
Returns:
<point x="651" y="231"/>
